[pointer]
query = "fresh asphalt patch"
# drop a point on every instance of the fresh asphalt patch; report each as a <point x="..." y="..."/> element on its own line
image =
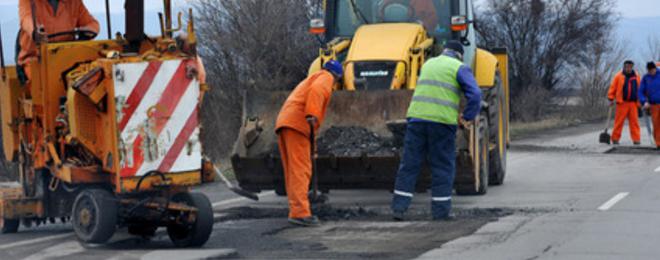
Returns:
<point x="348" y="232"/>
<point x="634" y="150"/>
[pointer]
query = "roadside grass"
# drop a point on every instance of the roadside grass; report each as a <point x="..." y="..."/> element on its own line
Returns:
<point x="522" y="129"/>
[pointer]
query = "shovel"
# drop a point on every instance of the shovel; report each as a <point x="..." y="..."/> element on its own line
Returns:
<point x="315" y="196"/>
<point x="605" y="137"/>
<point x="647" y="121"/>
<point x="235" y="189"/>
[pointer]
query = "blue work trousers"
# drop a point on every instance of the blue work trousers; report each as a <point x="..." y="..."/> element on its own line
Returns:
<point x="434" y="143"/>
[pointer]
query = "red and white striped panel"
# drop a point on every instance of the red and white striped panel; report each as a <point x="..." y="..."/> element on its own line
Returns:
<point x="157" y="117"/>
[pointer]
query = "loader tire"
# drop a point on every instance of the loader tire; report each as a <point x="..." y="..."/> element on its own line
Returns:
<point x="498" y="128"/>
<point x="9" y="226"/>
<point x="95" y="214"/>
<point x="192" y="234"/>
<point x="480" y="186"/>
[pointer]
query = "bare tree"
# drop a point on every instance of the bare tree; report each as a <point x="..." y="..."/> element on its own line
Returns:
<point x="606" y="59"/>
<point x="652" y="52"/>
<point x="544" y="37"/>
<point x="249" y="44"/>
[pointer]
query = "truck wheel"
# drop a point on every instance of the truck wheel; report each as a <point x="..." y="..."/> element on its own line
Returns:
<point x="498" y="128"/>
<point x="478" y="186"/>
<point x="95" y="216"/>
<point x="9" y="226"/>
<point x="193" y="234"/>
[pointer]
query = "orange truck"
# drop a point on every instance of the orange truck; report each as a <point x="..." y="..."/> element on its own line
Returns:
<point x="106" y="134"/>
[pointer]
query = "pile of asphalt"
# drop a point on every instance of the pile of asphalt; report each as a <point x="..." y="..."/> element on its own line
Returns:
<point x="356" y="141"/>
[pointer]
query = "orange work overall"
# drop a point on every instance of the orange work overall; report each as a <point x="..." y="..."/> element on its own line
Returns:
<point x="655" y="116"/>
<point x="71" y="14"/>
<point x="310" y="98"/>
<point x="626" y="108"/>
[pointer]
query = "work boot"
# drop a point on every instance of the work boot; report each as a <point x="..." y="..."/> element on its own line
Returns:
<point x="312" y="221"/>
<point x="398" y="215"/>
<point x="637" y="143"/>
<point x="450" y="217"/>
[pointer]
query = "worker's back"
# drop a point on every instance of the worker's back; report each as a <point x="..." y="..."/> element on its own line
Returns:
<point x="303" y="101"/>
<point x="437" y="94"/>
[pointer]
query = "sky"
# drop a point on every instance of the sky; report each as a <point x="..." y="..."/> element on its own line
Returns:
<point x="628" y="8"/>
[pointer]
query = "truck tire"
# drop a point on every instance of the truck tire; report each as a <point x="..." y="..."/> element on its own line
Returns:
<point x="95" y="213"/>
<point x="468" y="186"/>
<point x="498" y="128"/>
<point x="9" y="226"/>
<point x="192" y="234"/>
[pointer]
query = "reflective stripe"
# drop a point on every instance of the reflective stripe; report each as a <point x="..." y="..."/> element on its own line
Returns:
<point x="403" y="193"/>
<point x="440" y="84"/>
<point x="441" y="198"/>
<point x="435" y="101"/>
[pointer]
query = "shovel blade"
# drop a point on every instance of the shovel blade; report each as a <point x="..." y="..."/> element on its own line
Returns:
<point x="605" y="138"/>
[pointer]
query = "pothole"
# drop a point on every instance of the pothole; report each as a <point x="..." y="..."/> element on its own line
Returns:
<point x="328" y="212"/>
<point x="633" y="150"/>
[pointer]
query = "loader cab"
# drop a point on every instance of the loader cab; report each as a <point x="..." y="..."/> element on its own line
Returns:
<point x="344" y="17"/>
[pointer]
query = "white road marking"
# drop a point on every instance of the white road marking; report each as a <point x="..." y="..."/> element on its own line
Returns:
<point x="657" y="169"/>
<point x="35" y="241"/>
<point x="59" y="250"/>
<point x="607" y="205"/>
<point x="240" y="199"/>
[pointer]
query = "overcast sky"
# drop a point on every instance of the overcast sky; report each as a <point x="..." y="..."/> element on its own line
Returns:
<point x="628" y="8"/>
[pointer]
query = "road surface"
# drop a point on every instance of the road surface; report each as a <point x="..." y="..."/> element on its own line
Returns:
<point x="565" y="197"/>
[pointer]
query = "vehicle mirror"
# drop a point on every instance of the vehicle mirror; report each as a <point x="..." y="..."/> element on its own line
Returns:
<point x="459" y="23"/>
<point x="317" y="26"/>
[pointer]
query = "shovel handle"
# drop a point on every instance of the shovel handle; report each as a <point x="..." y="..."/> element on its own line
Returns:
<point x="312" y="150"/>
<point x="609" y="118"/>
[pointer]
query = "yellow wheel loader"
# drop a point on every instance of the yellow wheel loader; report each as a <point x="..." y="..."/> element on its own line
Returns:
<point x="105" y="134"/>
<point x="382" y="44"/>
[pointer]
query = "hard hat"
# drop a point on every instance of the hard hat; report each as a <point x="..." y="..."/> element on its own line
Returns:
<point x="335" y="67"/>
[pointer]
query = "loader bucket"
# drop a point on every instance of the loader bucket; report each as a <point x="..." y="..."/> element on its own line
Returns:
<point x="358" y="146"/>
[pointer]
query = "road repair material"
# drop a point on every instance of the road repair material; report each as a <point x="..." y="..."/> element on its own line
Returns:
<point x="605" y="137"/>
<point x="354" y="141"/>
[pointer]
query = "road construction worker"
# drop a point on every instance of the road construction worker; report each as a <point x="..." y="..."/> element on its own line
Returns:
<point x="303" y="110"/>
<point x="51" y="17"/>
<point x="649" y="95"/>
<point x="433" y="117"/>
<point x="624" y="92"/>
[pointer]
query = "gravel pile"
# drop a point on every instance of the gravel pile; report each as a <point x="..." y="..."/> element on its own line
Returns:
<point x="354" y="142"/>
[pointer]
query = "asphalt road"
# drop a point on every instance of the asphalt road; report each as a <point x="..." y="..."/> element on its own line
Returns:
<point x="565" y="197"/>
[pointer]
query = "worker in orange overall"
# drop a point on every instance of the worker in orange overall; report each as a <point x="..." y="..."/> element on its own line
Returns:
<point x="70" y="18"/>
<point x="649" y="95"/>
<point x="303" y="110"/>
<point x="624" y="92"/>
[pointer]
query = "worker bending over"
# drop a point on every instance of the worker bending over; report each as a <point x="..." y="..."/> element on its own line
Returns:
<point x="304" y="109"/>
<point x="649" y="95"/>
<point x="51" y="17"/>
<point x="624" y="92"/>
<point x="431" y="132"/>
